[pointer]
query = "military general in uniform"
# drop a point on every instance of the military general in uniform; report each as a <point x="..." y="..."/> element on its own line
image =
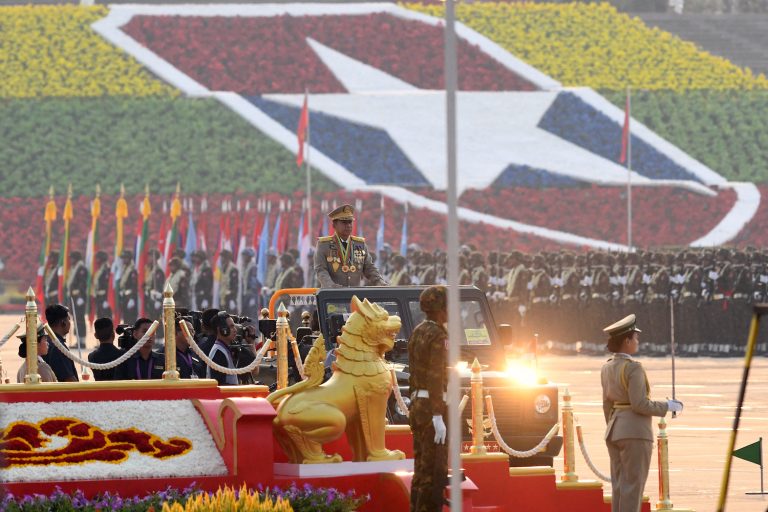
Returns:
<point x="628" y="410"/>
<point x="428" y="381"/>
<point x="343" y="260"/>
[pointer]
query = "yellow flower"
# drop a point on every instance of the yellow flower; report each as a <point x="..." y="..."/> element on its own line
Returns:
<point x="53" y="51"/>
<point x="596" y="46"/>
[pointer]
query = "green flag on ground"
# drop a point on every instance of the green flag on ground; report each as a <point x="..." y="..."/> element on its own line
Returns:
<point x="752" y="452"/>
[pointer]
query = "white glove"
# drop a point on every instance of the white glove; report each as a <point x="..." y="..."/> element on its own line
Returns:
<point x="204" y="304"/>
<point x="158" y="304"/>
<point x="155" y="294"/>
<point x="252" y="302"/>
<point x="131" y="304"/>
<point x="675" y="405"/>
<point x="232" y="305"/>
<point x="80" y="301"/>
<point x="105" y="304"/>
<point x="440" y="430"/>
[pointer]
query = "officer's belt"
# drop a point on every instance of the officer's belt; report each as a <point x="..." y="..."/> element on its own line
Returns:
<point x="423" y="393"/>
<point x="622" y="405"/>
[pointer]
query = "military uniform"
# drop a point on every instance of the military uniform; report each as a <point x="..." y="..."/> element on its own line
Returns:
<point x="129" y="294"/>
<point x="77" y="286"/>
<point x="51" y="285"/>
<point x="344" y="263"/>
<point x="628" y="410"/>
<point x="201" y="285"/>
<point x="228" y="289"/>
<point x="428" y="382"/>
<point x="99" y="291"/>
<point x="179" y="281"/>
<point x="154" y="278"/>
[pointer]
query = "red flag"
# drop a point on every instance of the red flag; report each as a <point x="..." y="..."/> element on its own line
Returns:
<point x="301" y="131"/>
<point x="625" y="134"/>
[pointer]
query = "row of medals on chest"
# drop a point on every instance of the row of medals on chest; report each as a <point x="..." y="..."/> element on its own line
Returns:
<point x="335" y="261"/>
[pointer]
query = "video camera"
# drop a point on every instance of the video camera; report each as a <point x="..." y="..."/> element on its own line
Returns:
<point x="125" y="339"/>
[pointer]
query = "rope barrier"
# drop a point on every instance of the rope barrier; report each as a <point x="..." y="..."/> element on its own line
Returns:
<point x="101" y="366"/>
<point x="511" y="451"/>
<point x="463" y="404"/>
<point x="297" y="358"/>
<point x="214" y="366"/>
<point x="402" y="407"/>
<point x="8" y="336"/>
<point x="583" y="447"/>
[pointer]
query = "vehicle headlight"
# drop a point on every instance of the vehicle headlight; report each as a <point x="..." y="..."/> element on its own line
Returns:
<point x="542" y="404"/>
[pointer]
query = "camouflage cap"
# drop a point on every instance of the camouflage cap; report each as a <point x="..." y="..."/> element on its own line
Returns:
<point x="433" y="299"/>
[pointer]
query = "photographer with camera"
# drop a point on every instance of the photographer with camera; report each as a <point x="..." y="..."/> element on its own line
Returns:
<point x="221" y="353"/>
<point x="106" y="352"/>
<point x="189" y="366"/>
<point x="206" y="335"/>
<point x="145" y="364"/>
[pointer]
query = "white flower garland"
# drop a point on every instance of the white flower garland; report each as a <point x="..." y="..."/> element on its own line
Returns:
<point x="163" y="418"/>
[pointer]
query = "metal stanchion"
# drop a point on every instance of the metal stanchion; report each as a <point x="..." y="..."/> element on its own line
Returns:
<point x="169" y="317"/>
<point x="664" y="502"/>
<point x="283" y="331"/>
<point x="30" y="312"/>
<point x="476" y="381"/>
<point x="569" y="448"/>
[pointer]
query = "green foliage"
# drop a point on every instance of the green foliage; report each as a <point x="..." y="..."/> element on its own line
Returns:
<point x="159" y="141"/>
<point x="726" y="130"/>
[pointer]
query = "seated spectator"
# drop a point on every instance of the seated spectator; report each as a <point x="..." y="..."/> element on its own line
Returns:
<point x="45" y="371"/>
<point x="106" y="352"/>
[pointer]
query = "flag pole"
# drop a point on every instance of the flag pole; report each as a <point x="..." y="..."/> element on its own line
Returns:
<point x="309" y="174"/>
<point x="629" y="173"/>
<point x="452" y="235"/>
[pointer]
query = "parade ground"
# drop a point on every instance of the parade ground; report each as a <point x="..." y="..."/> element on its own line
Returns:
<point x="697" y="438"/>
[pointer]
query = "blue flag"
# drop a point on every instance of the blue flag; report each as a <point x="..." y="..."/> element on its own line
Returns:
<point x="380" y="234"/>
<point x="404" y="236"/>
<point x="191" y="245"/>
<point x="276" y="231"/>
<point x="261" y="263"/>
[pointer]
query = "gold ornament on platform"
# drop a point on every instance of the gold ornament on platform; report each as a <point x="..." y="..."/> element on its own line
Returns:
<point x="354" y="400"/>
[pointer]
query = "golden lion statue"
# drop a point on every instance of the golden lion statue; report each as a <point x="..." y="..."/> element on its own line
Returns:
<point x="354" y="400"/>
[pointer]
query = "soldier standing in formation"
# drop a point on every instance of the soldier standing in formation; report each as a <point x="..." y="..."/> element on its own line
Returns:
<point x="179" y="281"/>
<point x="251" y="286"/>
<point x="154" y="279"/>
<point x="343" y="259"/>
<point x="428" y="381"/>
<point x="100" y="286"/>
<point x="201" y="282"/>
<point x="51" y="279"/>
<point x="128" y="293"/>
<point x="230" y="278"/>
<point x="77" y="286"/>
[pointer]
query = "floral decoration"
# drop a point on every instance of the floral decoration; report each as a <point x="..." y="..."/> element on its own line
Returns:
<point x="85" y="440"/>
<point x="51" y="50"/>
<point x="594" y="45"/>
<point x="22" y="443"/>
<point x="259" y="55"/>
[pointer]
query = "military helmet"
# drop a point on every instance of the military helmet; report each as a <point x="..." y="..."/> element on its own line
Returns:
<point x="433" y="299"/>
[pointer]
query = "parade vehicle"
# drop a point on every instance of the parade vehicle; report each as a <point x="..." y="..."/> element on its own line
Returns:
<point x="526" y="405"/>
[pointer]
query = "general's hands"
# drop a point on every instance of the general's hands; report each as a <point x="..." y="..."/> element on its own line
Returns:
<point x="440" y="430"/>
<point x="675" y="405"/>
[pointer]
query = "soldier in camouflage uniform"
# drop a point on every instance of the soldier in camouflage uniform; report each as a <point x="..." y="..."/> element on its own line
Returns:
<point x="343" y="259"/>
<point x="428" y="382"/>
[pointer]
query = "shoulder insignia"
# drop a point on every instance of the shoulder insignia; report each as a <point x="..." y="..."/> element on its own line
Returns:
<point x="357" y="238"/>
<point x="324" y="238"/>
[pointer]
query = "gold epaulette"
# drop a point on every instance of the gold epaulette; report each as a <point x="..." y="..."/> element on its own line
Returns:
<point x="357" y="238"/>
<point x="324" y="238"/>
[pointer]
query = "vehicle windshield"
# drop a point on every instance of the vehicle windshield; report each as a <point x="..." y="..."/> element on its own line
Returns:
<point x="473" y="322"/>
<point x="343" y="308"/>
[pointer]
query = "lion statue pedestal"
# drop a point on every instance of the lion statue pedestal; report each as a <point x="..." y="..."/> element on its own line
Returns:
<point x="354" y="400"/>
